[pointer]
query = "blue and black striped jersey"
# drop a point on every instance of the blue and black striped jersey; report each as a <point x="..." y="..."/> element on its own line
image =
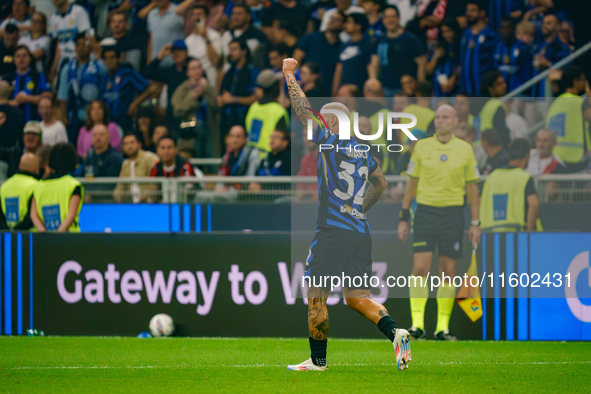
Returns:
<point x="343" y="172"/>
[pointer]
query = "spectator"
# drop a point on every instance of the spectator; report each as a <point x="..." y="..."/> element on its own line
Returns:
<point x="504" y="49"/>
<point x="170" y="163"/>
<point x="160" y="131"/>
<point x="444" y="60"/>
<point x="277" y="162"/>
<point x="19" y="17"/>
<point x="164" y="26"/>
<point x="138" y="163"/>
<point x="266" y="114"/>
<point x="355" y="56"/>
<point x="541" y="159"/>
<point x="492" y="144"/>
<point x="566" y="34"/>
<point x="347" y="95"/>
<point x="64" y="26"/>
<point x="548" y="51"/>
<point x="515" y="123"/>
<point x="27" y="83"/>
<point x="477" y="48"/>
<point x="42" y="154"/>
<point x="373" y="10"/>
<point x="122" y="88"/>
<point x="16" y="195"/>
<point x="397" y="53"/>
<point x="102" y="160"/>
<point x="240" y="159"/>
<point x="205" y="44"/>
<point x="518" y="62"/>
<point x="190" y="102"/>
<point x="241" y="27"/>
<point x="463" y="105"/>
<point x="8" y="44"/>
<point x="424" y="25"/>
<point x="237" y="90"/>
<point x="323" y="48"/>
<point x="345" y="7"/>
<point x="53" y="130"/>
<point x="48" y="211"/>
<point x="467" y="132"/>
<point x="32" y="136"/>
<point x="97" y="114"/>
<point x="144" y="125"/>
<point x="285" y="10"/>
<point x="79" y="85"/>
<point x="316" y="12"/>
<point x="493" y="112"/>
<point x="129" y="45"/>
<point x="409" y="85"/>
<point x="372" y="106"/>
<point x="172" y="75"/>
<point x="38" y="41"/>
<point x="12" y="122"/>
<point x="500" y="10"/>
<point x="310" y="78"/>
<point x="567" y="118"/>
<point x="276" y="55"/>
<point x="308" y="167"/>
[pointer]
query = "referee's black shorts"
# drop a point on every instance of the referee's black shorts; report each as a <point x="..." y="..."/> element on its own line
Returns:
<point x="338" y="252"/>
<point x="439" y="226"/>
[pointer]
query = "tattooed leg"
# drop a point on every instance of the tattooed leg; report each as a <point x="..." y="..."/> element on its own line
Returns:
<point x="317" y="313"/>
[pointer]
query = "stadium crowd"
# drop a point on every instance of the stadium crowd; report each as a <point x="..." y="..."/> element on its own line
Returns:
<point x="113" y="78"/>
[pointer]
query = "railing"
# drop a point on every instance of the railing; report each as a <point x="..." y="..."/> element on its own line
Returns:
<point x="270" y="190"/>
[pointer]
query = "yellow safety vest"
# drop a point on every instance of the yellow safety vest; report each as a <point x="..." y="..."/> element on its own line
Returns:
<point x="565" y="119"/>
<point x="488" y="112"/>
<point x="502" y="204"/>
<point x="424" y="116"/>
<point x="260" y="124"/>
<point x="52" y="197"/>
<point x="16" y="193"/>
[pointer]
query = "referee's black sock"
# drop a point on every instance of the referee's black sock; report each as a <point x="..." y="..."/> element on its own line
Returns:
<point x="318" y="349"/>
<point x="388" y="327"/>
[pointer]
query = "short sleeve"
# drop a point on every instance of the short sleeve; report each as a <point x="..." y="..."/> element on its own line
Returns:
<point x="414" y="165"/>
<point x="530" y="188"/>
<point x="372" y="165"/>
<point x="82" y="20"/>
<point x="471" y="172"/>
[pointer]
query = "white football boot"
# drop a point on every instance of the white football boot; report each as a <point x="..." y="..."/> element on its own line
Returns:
<point x="307" y="365"/>
<point x="402" y="348"/>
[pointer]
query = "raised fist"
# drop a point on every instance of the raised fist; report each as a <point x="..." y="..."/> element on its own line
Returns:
<point x="289" y="65"/>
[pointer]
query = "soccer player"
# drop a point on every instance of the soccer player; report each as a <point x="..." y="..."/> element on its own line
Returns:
<point x="441" y="171"/>
<point x="342" y="242"/>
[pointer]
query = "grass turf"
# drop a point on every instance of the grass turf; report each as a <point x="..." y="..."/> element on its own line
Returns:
<point x="90" y="364"/>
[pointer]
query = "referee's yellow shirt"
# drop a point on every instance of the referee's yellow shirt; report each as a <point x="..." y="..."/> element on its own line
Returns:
<point x="442" y="171"/>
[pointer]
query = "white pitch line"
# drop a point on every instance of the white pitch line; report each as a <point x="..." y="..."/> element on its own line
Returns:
<point x="184" y="366"/>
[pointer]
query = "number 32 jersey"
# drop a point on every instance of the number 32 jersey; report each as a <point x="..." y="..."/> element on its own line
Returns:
<point x="343" y="171"/>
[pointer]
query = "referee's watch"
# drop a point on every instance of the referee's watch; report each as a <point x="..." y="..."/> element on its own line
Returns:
<point x="475" y="223"/>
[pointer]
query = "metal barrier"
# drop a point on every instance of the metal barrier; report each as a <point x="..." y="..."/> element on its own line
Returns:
<point x="268" y="190"/>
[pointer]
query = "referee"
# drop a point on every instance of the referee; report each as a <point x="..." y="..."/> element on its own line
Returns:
<point x="442" y="170"/>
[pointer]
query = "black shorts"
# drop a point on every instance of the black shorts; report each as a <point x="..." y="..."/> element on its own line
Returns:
<point x="338" y="252"/>
<point x="439" y="226"/>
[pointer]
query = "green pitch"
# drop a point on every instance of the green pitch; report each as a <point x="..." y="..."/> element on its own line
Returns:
<point x="83" y="364"/>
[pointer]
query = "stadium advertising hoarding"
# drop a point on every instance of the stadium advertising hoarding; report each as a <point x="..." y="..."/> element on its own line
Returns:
<point x="212" y="285"/>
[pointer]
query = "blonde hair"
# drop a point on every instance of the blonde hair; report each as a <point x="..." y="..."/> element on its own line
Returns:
<point x="336" y="105"/>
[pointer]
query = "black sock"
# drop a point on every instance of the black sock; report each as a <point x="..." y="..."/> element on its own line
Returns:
<point x="388" y="327"/>
<point x="318" y="349"/>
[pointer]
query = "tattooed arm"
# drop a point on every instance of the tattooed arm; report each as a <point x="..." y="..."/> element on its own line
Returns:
<point x="298" y="99"/>
<point x="375" y="190"/>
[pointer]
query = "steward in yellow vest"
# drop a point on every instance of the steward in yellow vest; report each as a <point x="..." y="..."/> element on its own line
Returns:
<point x="16" y="195"/>
<point x="57" y="200"/>
<point x="266" y="114"/>
<point x="509" y="201"/>
<point x="492" y="114"/>
<point x="565" y="118"/>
